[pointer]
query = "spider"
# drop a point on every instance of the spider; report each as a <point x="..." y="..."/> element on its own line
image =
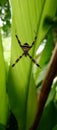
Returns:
<point x="26" y="47"/>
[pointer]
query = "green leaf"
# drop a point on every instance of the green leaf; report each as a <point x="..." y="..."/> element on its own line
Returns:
<point x="3" y="95"/>
<point x="49" y="9"/>
<point x="49" y="117"/>
<point x="27" y="18"/>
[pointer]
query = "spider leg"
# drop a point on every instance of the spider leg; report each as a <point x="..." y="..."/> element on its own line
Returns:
<point x="17" y="60"/>
<point x="18" y="40"/>
<point x="34" y="41"/>
<point x="33" y="60"/>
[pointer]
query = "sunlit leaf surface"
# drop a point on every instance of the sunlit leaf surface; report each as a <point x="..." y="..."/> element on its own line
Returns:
<point x="27" y="21"/>
<point x="3" y="95"/>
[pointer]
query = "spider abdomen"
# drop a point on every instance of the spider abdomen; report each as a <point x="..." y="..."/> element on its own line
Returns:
<point x="26" y="48"/>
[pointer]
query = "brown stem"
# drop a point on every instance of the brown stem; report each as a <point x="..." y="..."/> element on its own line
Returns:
<point x="46" y="86"/>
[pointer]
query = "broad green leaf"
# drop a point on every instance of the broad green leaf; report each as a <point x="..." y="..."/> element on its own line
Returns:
<point x="49" y="9"/>
<point x="27" y="21"/>
<point x="22" y="90"/>
<point x="49" y="117"/>
<point x="3" y="95"/>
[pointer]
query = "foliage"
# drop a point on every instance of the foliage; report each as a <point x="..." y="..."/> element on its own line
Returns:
<point x="3" y="94"/>
<point x="5" y="16"/>
<point x="23" y="82"/>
